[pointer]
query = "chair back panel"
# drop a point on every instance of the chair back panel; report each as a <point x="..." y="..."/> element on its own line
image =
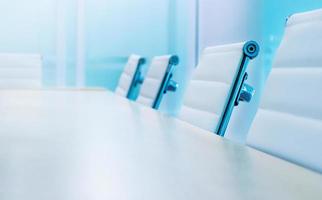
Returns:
<point x="124" y="85"/>
<point x="153" y="80"/>
<point x="289" y="121"/>
<point x="211" y="84"/>
<point x="20" y="71"/>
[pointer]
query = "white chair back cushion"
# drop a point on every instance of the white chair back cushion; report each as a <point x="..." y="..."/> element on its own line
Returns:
<point x="128" y="75"/>
<point x="210" y="87"/>
<point x="20" y="71"/>
<point x="153" y="80"/>
<point x="289" y="121"/>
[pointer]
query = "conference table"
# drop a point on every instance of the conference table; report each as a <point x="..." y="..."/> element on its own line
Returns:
<point x="94" y="145"/>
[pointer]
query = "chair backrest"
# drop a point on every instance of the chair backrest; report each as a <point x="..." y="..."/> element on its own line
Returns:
<point x="131" y="76"/>
<point x="216" y="86"/>
<point x="20" y="71"/>
<point x="289" y="121"/>
<point x="157" y="80"/>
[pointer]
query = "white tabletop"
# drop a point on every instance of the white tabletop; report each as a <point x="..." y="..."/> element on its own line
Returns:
<point x="93" y="145"/>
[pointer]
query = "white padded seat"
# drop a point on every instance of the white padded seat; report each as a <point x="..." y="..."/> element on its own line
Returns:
<point x="126" y="80"/>
<point x="160" y="68"/>
<point x="210" y="88"/>
<point x="289" y="121"/>
<point x="20" y="71"/>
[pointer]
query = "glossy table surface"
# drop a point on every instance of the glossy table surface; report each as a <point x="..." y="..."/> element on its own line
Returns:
<point x="93" y="145"/>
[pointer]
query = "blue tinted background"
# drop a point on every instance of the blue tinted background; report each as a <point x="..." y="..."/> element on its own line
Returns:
<point x="110" y="30"/>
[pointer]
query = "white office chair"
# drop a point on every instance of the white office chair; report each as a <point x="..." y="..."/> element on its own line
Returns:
<point x="289" y="121"/>
<point x="131" y="77"/>
<point x="218" y="85"/>
<point x="158" y="81"/>
<point x="20" y="71"/>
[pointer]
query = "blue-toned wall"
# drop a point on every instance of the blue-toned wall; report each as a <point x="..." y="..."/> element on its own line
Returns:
<point x="117" y="28"/>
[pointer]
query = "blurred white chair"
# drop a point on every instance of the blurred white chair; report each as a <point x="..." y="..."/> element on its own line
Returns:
<point x="289" y="121"/>
<point x="131" y="76"/>
<point x="218" y="85"/>
<point x="20" y="71"/>
<point x="158" y="81"/>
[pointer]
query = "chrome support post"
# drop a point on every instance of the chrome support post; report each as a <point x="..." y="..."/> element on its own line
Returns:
<point x="240" y="91"/>
<point x="138" y="78"/>
<point x="167" y="83"/>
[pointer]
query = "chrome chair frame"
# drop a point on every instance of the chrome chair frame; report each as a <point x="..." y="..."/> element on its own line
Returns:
<point x="137" y="79"/>
<point x="240" y="90"/>
<point x="167" y="83"/>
